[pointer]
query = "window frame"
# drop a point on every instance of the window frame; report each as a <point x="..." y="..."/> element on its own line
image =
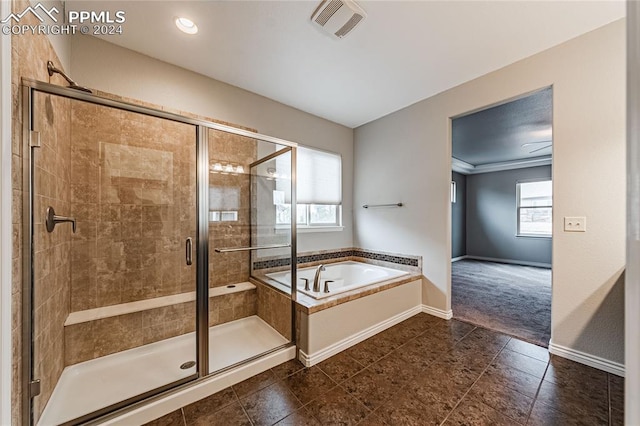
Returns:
<point x="308" y="224"/>
<point x="518" y="207"/>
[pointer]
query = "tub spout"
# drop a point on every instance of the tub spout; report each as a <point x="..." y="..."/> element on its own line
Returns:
<point x="316" y="279"/>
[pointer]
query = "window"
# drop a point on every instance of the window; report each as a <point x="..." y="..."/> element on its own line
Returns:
<point x="534" y="208"/>
<point x="319" y="177"/>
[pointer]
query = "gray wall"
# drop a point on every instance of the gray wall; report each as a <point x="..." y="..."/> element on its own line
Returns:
<point x="459" y="217"/>
<point x="492" y="219"/>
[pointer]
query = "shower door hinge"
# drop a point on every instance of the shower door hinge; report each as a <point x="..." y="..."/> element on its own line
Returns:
<point x="34" y="388"/>
<point x="34" y="139"/>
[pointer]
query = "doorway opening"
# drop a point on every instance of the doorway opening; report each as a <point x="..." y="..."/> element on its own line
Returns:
<point x="501" y="217"/>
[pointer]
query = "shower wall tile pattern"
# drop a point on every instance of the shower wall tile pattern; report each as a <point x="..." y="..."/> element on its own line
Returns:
<point x="52" y="262"/>
<point x="133" y="193"/>
<point x="93" y="339"/>
<point x="230" y="192"/>
<point x="29" y="54"/>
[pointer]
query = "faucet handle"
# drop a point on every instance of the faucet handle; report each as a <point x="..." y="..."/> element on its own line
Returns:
<point x="306" y="284"/>
<point x="326" y="285"/>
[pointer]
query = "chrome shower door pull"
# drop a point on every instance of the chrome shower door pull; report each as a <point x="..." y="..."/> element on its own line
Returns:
<point x="53" y="219"/>
<point x="189" y="253"/>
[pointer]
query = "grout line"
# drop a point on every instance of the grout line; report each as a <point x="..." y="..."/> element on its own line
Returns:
<point x="535" y="398"/>
<point x="241" y="405"/>
<point x="184" y="418"/>
<point x="476" y="381"/>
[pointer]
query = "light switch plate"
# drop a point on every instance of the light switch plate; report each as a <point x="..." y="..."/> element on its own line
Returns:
<point x="575" y="224"/>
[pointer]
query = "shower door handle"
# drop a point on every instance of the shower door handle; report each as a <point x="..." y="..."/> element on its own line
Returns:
<point x="189" y="253"/>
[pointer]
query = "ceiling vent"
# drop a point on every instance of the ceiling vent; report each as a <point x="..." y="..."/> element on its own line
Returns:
<point x="338" y="17"/>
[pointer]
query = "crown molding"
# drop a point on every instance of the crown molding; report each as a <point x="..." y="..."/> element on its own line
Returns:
<point x="465" y="168"/>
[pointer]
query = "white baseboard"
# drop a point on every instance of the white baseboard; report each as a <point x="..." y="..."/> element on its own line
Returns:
<point x="587" y="359"/>
<point x="455" y="259"/>
<point x="511" y="261"/>
<point x="312" y="359"/>
<point x="437" y="312"/>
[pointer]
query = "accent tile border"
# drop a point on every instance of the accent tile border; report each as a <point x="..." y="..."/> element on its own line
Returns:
<point x="311" y="257"/>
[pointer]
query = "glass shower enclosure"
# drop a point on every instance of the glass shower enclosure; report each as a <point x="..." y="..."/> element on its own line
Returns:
<point x="139" y="229"/>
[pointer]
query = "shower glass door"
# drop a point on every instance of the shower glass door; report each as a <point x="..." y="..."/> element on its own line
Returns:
<point x="246" y="317"/>
<point x="114" y="276"/>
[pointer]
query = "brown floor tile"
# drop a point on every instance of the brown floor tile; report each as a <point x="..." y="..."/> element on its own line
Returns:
<point x="453" y="371"/>
<point x="369" y="388"/>
<point x="521" y="362"/>
<point x="422" y="371"/>
<point x="512" y="378"/>
<point x="372" y="420"/>
<point x="580" y="400"/>
<point x="543" y="415"/>
<point x="287" y="368"/>
<point x="562" y="370"/>
<point x="450" y="331"/>
<point x="301" y="417"/>
<point x="370" y="350"/>
<point x="414" y="357"/>
<point x="174" y="418"/>
<point x="438" y="398"/>
<point x="473" y="412"/>
<point x="255" y="383"/>
<point x="505" y="400"/>
<point x="337" y="407"/>
<point x="470" y="357"/>
<point x="525" y="348"/>
<point x="271" y="404"/>
<point x="616" y="392"/>
<point x="394" y="369"/>
<point x="405" y="410"/>
<point x="231" y="415"/>
<point x="308" y="384"/>
<point x="340" y="367"/>
<point x="206" y="407"/>
<point x="485" y="339"/>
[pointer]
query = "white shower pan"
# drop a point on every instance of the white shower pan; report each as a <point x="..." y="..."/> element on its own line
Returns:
<point x="91" y="385"/>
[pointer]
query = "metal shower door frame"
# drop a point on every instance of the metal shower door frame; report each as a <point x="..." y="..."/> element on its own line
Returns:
<point x="30" y="384"/>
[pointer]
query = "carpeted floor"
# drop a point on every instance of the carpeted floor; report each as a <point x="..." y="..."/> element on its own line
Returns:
<point x="511" y="299"/>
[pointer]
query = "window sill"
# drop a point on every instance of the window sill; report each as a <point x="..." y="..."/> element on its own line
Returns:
<point x="534" y="236"/>
<point x="311" y="229"/>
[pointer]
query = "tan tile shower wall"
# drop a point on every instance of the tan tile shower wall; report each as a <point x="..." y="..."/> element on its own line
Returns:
<point x="274" y="308"/>
<point x="29" y="54"/>
<point x="133" y="194"/>
<point x="94" y="339"/>
<point x="52" y="266"/>
<point x="225" y="148"/>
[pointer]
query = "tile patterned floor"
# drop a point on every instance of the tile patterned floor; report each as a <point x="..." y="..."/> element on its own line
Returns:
<point x="423" y="371"/>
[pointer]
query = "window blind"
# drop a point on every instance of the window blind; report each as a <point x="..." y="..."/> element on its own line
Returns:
<point x="319" y="176"/>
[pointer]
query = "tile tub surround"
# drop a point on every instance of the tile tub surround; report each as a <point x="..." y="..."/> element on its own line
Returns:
<point x="403" y="262"/>
<point x="424" y="370"/>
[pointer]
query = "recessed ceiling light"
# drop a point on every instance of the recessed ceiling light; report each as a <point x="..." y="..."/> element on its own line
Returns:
<point x="186" y="25"/>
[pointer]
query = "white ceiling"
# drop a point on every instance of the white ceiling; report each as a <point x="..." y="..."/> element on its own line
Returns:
<point x="403" y="52"/>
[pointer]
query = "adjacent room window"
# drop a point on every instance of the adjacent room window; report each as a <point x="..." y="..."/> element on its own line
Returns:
<point x="534" y="208"/>
<point x="319" y="177"/>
